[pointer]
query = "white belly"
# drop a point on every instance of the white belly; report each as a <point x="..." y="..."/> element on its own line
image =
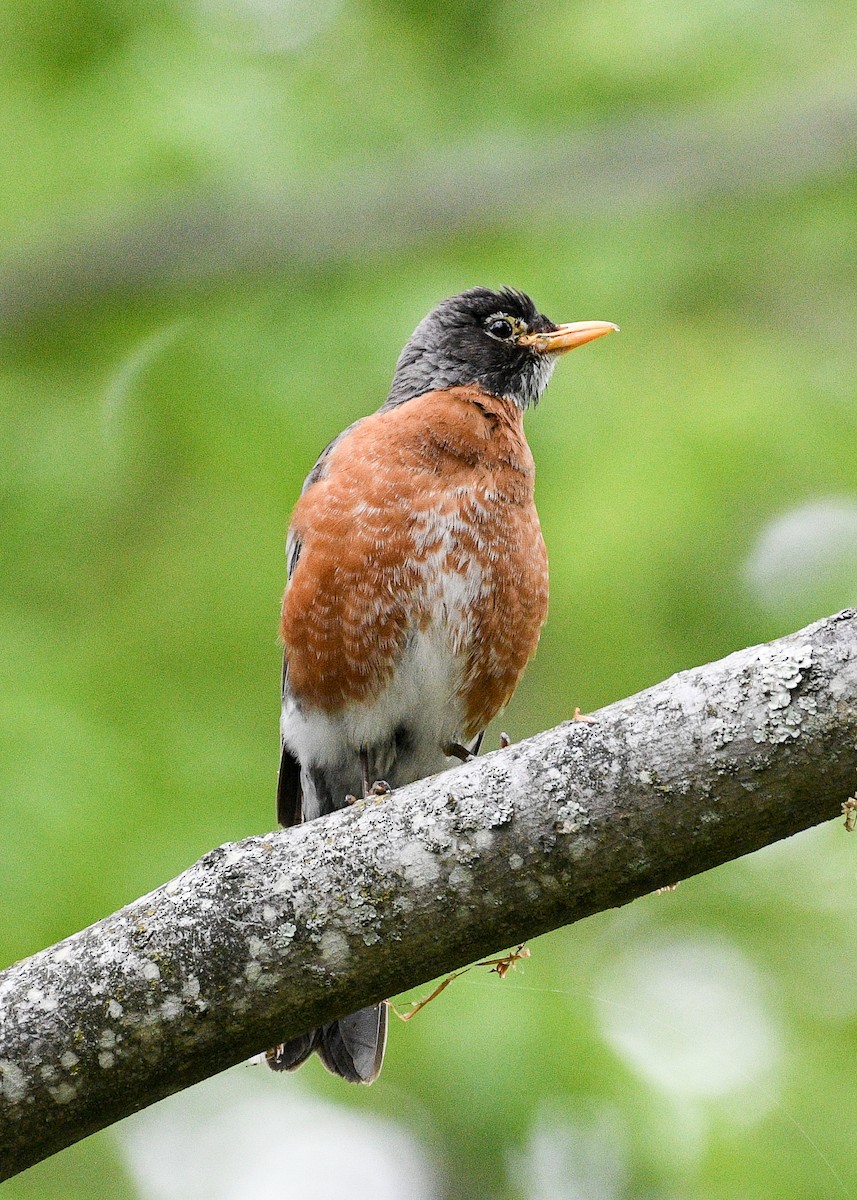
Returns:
<point x="422" y="699"/>
<point x="403" y="730"/>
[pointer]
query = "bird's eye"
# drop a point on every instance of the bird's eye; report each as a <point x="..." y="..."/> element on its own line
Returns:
<point x="500" y="327"/>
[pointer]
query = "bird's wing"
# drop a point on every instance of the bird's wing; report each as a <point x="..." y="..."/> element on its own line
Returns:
<point x="289" y="791"/>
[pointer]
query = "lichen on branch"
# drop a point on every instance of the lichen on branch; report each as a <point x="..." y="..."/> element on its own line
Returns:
<point x="265" y="938"/>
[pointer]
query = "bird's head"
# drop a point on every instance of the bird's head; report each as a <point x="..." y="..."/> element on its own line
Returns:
<point x="498" y="340"/>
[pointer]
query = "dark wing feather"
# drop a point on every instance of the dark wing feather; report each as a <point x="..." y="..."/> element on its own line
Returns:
<point x="289" y="792"/>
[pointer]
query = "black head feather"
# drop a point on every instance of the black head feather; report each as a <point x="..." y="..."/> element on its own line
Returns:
<point x="463" y="341"/>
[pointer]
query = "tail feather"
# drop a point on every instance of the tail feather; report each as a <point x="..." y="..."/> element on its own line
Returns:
<point x="352" y="1047"/>
<point x="288" y="1056"/>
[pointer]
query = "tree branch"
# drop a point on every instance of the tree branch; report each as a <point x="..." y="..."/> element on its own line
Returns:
<point x="268" y="937"/>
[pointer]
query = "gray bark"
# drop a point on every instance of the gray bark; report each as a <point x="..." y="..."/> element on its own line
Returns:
<point x="268" y="937"/>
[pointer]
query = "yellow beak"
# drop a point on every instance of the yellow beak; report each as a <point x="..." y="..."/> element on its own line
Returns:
<point x="567" y="337"/>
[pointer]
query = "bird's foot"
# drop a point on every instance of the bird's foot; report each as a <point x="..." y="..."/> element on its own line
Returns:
<point x="583" y="717"/>
<point x="505" y="741"/>
<point x="380" y="787"/>
<point x="349" y="799"/>
<point x="456" y="750"/>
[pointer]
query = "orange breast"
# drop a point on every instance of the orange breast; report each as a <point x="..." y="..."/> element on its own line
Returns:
<point x="424" y="517"/>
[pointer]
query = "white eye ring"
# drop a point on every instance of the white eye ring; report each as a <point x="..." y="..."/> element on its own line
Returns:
<point x="502" y="327"/>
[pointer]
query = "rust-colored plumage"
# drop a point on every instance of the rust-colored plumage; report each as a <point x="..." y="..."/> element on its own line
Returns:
<point x="441" y="486"/>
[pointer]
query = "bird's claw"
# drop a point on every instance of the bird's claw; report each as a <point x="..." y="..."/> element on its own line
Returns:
<point x="380" y="788"/>
<point x="584" y="718"/>
<point x="456" y="750"/>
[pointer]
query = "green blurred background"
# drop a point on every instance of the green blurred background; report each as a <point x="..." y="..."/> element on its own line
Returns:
<point x="220" y="221"/>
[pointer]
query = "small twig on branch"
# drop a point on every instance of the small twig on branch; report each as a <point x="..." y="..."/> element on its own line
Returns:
<point x="499" y="966"/>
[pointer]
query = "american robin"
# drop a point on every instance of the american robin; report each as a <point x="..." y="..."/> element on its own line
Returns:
<point x="417" y="583"/>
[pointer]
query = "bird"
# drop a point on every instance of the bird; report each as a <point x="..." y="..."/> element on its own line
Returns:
<point x="417" y="584"/>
